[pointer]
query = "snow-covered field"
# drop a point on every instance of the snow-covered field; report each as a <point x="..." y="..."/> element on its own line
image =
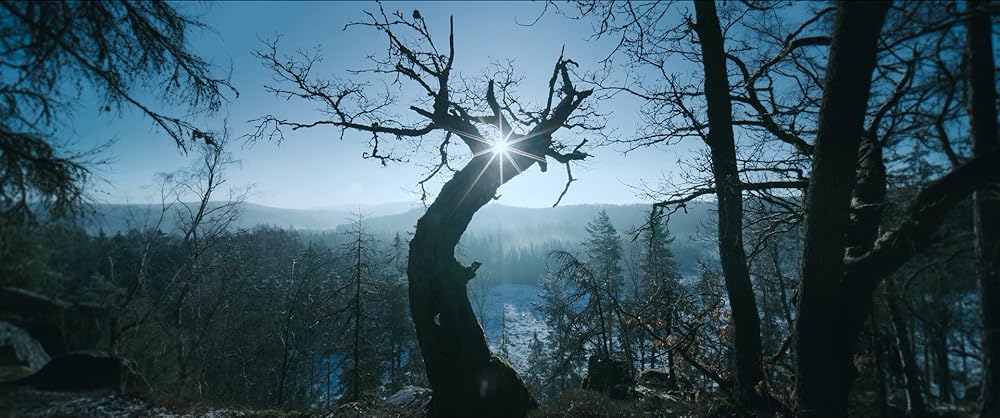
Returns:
<point x="509" y="308"/>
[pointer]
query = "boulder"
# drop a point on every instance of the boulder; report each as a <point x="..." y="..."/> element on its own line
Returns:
<point x="409" y="397"/>
<point x="86" y="326"/>
<point x="85" y="370"/>
<point x="613" y="377"/>
<point x="59" y="326"/>
<point x="656" y="378"/>
<point x="20" y="354"/>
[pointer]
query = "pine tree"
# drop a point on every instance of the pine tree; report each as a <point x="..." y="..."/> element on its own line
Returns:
<point x="603" y="250"/>
<point x="582" y="304"/>
<point x="659" y="289"/>
<point x="567" y="335"/>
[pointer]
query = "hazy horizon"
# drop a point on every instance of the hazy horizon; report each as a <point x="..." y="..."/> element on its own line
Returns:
<point x="411" y="204"/>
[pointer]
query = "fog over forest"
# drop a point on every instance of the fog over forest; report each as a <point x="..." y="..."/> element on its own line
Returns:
<point x="464" y="209"/>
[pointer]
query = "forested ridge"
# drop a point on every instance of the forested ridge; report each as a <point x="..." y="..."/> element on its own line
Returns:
<point x="823" y="238"/>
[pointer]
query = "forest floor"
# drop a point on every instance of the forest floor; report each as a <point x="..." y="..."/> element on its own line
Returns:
<point x="16" y="401"/>
<point x="26" y="402"/>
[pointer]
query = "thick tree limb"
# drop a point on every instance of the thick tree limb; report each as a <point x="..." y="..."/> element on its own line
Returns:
<point x="916" y="231"/>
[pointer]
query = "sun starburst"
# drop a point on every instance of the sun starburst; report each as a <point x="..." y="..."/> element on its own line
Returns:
<point x="502" y="149"/>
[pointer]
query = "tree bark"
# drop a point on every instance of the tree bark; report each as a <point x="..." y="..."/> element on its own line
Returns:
<point x="466" y="378"/>
<point x="911" y="372"/>
<point x="722" y="144"/>
<point x="823" y="363"/>
<point x="986" y="201"/>
<point x="848" y="300"/>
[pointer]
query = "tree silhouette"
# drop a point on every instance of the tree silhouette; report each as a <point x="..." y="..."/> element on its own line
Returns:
<point x="118" y="49"/>
<point x="466" y="377"/>
<point x="779" y="95"/>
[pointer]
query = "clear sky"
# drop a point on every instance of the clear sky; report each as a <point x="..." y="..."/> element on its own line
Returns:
<point x="314" y="168"/>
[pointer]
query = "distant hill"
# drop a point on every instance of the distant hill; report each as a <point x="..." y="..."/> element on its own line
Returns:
<point x="546" y="224"/>
<point x="113" y="218"/>
<point x="527" y="226"/>
<point x="511" y="242"/>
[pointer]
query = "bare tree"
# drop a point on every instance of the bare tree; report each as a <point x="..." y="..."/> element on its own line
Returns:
<point x="836" y="291"/>
<point x="467" y="379"/>
<point x="358" y="251"/>
<point x="203" y="223"/>
<point x="729" y="192"/>
<point x="776" y="94"/>
<point x="128" y="316"/>
<point x="118" y="49"/>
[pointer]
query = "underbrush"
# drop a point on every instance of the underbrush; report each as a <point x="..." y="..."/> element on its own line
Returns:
<point x="586" y="403"/>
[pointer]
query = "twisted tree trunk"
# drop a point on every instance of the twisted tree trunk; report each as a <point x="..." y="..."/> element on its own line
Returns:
<point x="467" y="379"/>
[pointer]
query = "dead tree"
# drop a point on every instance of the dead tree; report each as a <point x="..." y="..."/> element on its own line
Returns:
<point x="203" y="225"/>
<point x="466" y="378"/>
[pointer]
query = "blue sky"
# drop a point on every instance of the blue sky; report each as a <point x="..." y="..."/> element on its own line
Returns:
<point x="314" y="168"/>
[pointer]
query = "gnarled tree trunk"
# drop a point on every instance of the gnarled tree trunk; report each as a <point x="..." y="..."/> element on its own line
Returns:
<point x="467" y="379"/>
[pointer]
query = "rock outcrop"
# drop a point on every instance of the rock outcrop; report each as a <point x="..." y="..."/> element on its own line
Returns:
<point x="612" y="377"/>
<point x="59" y="326"/>
<point x="40" y="316"/>
<point x="409" y="397"/>
<point x="20" y="354"/>
<point x="656" y="378"/>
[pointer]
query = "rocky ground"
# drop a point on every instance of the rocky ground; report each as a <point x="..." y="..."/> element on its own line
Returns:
<point x="26" y="402"/>
<point x="18" y="401"/>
